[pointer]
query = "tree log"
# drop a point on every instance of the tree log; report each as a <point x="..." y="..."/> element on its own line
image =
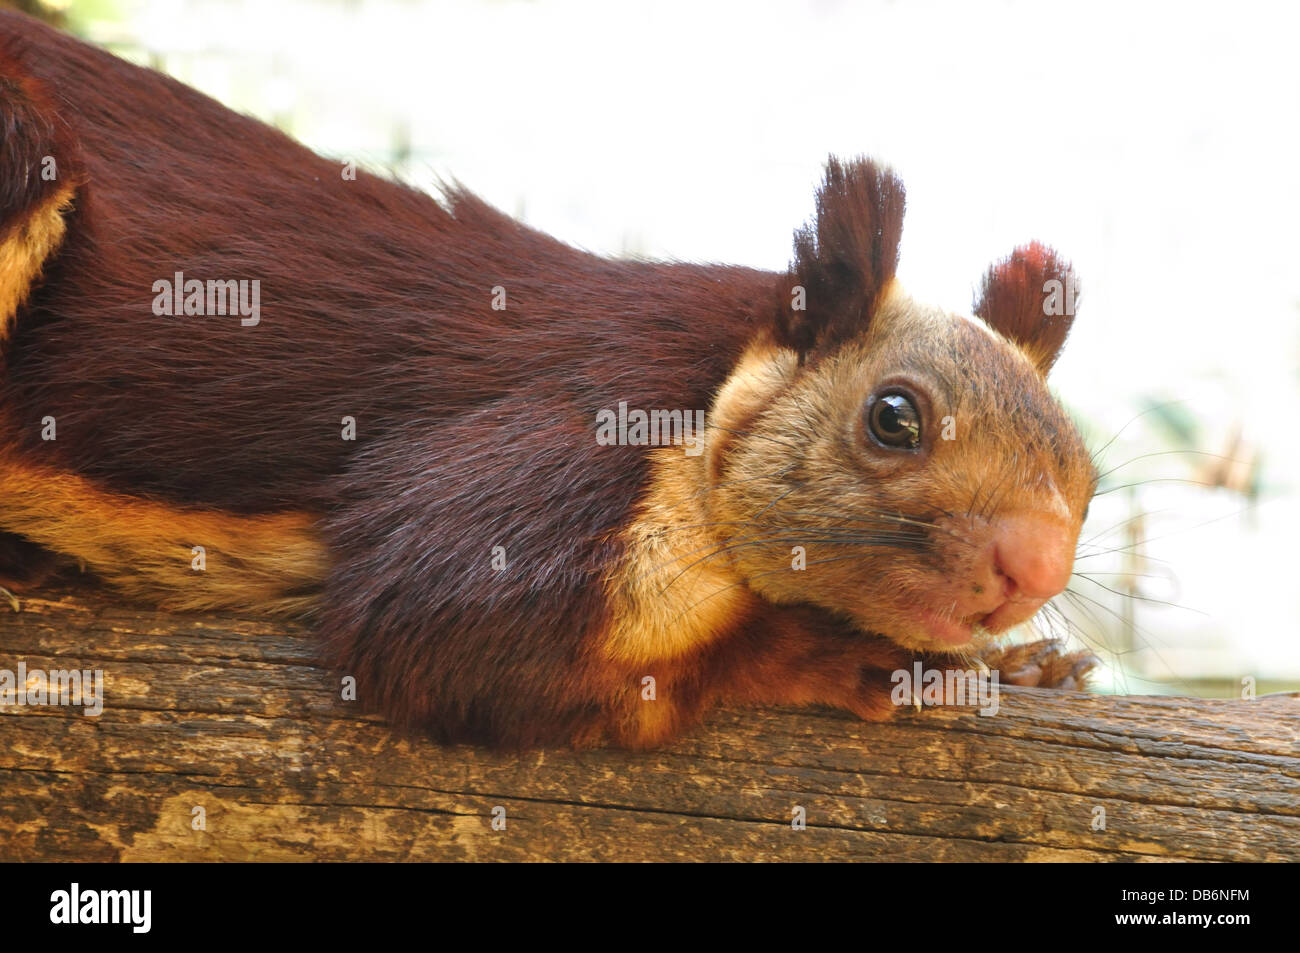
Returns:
<point x="227" y="720"/>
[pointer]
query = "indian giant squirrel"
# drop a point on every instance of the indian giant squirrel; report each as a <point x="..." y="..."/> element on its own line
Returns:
<point x="878" y="480"/>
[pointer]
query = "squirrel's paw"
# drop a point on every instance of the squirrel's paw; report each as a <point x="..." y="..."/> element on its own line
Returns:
<point x="1041" y="664"/>
<point x="875" y="698"/>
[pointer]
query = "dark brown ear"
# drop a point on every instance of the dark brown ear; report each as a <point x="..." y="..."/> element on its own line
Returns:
<point x="844" y="258"/>
<point x="1030" y="297"/>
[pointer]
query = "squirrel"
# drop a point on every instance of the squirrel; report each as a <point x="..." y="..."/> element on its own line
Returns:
<point x="428" y="433"/>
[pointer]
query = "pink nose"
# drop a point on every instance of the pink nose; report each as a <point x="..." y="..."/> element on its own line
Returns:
<point x="1036" y="555"/>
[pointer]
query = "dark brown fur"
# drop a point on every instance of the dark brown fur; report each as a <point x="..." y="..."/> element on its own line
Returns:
<point x="844" y="262"/>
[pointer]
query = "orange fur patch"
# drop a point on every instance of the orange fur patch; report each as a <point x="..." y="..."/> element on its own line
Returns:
<point x="148" y="549"/>
<point x="24" y="251"/>
<point x="675" y="591"/>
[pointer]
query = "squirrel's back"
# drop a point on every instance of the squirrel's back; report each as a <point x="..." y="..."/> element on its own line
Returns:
<point x="374" y="301"/>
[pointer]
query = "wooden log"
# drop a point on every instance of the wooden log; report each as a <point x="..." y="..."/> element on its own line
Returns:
<point x="229" y="719"/>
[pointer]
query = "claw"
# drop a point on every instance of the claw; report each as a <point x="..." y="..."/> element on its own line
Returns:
<point x="916" y="702"/>
<point x="10" y="598"/>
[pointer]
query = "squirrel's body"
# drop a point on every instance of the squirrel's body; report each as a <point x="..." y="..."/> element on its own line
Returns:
<point x="482" y="564"/>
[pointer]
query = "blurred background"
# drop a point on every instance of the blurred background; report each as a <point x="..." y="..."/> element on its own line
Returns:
<point x="1155" y="145"/>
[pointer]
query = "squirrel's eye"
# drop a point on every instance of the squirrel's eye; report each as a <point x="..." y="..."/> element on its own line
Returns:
<point x="895" y="422"/>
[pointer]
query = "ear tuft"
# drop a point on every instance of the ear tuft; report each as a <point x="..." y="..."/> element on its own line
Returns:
<point x="844" y="259"/>
<point x="1030" y="297"/>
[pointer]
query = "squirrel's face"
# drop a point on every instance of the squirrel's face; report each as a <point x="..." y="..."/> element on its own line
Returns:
<point x="918" y="478"/>
<point x="902" y="466"/>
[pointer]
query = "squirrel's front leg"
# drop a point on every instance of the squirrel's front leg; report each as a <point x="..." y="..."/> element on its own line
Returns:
<point x="806" y="656"/>
<point x="780" y="656"/>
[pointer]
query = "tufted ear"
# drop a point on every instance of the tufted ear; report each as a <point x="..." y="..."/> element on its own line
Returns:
<point x="1030" y="297"/>
<point x="843" y="259"/>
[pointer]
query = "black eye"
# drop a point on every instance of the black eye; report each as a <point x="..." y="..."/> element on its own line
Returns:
<point x="895" y="422"/>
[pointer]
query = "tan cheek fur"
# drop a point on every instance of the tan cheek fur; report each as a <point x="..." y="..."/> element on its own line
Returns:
<point x="676" y="591"/>
<point x="673" y="593"/>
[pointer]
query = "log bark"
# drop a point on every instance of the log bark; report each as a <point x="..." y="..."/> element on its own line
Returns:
<point x="231" y="716"/>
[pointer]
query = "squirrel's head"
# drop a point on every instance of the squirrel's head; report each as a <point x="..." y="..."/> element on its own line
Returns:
<point x="890" y="461"/>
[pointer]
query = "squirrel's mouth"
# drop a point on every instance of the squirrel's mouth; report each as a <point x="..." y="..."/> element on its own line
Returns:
<point x="954" y="633"/>
<point x="944" y="629"/>
<point x="959" y="632"/>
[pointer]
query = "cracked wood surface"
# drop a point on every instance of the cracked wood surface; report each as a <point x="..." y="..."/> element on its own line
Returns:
<point x="231" y="715"/>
